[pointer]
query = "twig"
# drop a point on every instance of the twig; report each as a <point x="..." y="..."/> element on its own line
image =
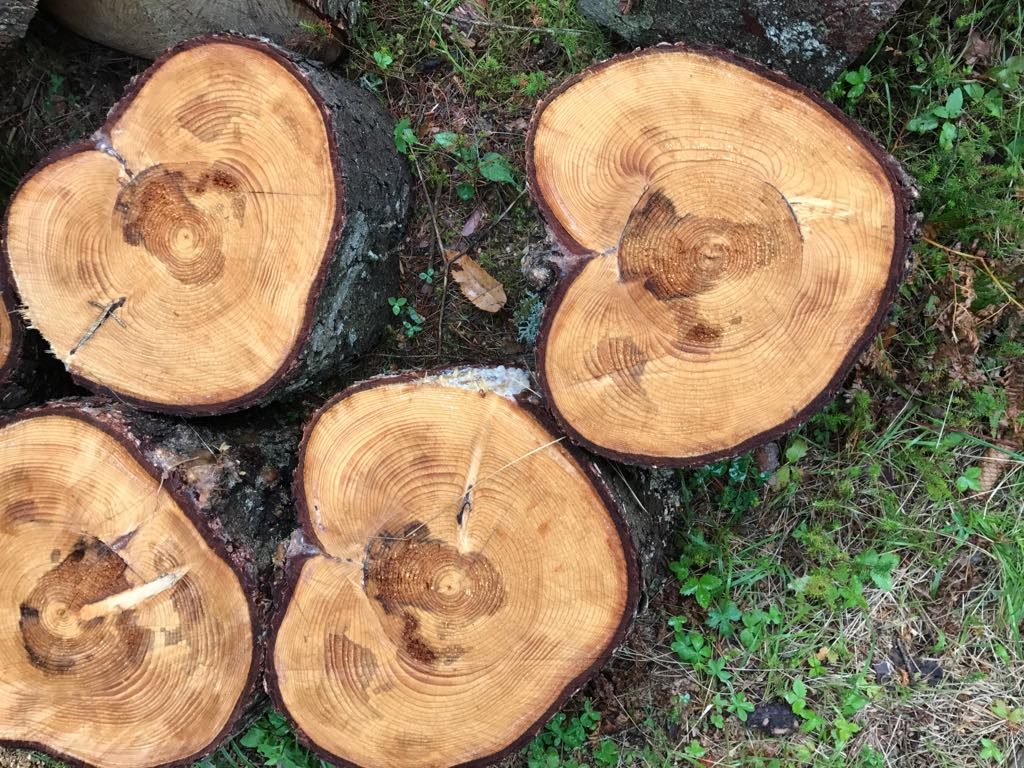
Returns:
<point x="984" y="265"/>
<point x="472" y="240"/>
<point x="440" y="248"/>
<point x="106" y="313"/>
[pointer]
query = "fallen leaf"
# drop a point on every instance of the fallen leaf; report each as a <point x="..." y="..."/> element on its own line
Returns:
<point x="478" y="286"/>
<point x="473" y="222"/>
<point x="978" y="49"/>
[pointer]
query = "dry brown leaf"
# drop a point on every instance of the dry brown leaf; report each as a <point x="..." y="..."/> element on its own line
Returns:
<point x="978" y="49"/>
<point x="478" y="286"/>
<point x="473" y="222"/>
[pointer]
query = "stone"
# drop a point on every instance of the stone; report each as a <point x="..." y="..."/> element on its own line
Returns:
<point x="812" y="42"/>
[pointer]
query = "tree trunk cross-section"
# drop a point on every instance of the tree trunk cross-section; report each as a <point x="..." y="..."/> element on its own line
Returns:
<point x="225" y="238"/>
<point x="126" y="638"/>
<point x="459" y="573"/>
<point x="733" y="243"/>
<point x="145" y="28"/>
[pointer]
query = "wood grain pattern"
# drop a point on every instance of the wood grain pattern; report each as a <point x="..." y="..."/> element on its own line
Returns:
<point x="735" y="241"/>
<point x="125" y="638"/>
<point x="201" y="251"/>
<point x="461" y="573"/>
<point x="8" y="354"/>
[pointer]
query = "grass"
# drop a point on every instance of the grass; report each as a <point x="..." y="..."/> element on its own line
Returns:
<point x="888" y="542"/>
<point x="872" y="582"/>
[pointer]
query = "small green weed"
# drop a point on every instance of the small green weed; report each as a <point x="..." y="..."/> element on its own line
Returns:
<point x="270" y="739"/>
<point x="734" y="484"/>
<point x="559" y="744"/>
<point x="462" y="155"/>
<point x="412" y="321"/>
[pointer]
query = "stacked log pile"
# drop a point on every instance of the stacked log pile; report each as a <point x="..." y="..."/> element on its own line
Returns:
<point x="445" y="556"/>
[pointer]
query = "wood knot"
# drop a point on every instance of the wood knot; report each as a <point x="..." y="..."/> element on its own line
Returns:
<point x="181" y="213"/>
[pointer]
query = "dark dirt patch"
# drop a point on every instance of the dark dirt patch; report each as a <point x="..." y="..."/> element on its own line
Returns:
<point x="57" y="87"/>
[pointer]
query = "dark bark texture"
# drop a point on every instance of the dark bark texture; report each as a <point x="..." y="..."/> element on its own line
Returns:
<point x="14" y="18"/>
<point x="236" y="470"/>
<point x="812" y="42"/>
<point x="352" y="310"/>
<point x="145" y="28"/>
<point x="650" y="503"/>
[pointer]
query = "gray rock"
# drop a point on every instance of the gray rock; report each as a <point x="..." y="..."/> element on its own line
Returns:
<point x="812" y="42"/>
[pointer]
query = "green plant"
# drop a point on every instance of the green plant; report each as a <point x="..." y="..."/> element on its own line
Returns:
<point x="562" y="738"/>
<point x="383" y="59"/>
<point x="405" y="136"/>
<point x="606" y="753"/>
<point x="460" y="154"/>
<point x="737" y="483"/>
<point x="858" y="80"/>
<point x="943" y="115"/>
<point x="694" y="753"/>
<point x="990" y="751"/>
<point x="272" y="739"/>
<point x="969" y="480"/>
<point x="412" y="321"/>
<point x="533" y="83"/>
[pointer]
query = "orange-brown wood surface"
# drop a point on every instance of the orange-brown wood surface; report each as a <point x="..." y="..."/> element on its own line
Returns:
<point x="463" y="572"/>
<point x="735" y="242"/>
<point x="175" y="259"/>
<point x="125" y="638"/>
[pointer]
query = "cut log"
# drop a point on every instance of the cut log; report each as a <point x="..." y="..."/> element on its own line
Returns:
<point x="810" y="41"/>
<point x="236" y="470"/>
<point x="732" y="243"/>
<point x="14" y="18"/>
<point x="126" y="637"/>
<point x="147" y="29"/>
<point x="11" y="333"/>
<point x="28" y="374"/>
<point x="459" y="573"/>
<point x="226" y="238"/>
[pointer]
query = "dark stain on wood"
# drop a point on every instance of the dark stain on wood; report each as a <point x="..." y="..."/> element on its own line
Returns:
<point x="178" y="213"/>
<point x="57" y="641"/>
<point x="418" y="582"/>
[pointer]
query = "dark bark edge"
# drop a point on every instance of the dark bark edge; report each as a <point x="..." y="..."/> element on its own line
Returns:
<point x="73" y="409"/>
<point x="294" y="566"/>
<point x="8" y="304"/>
<point x="291" y="361"/>
<point x="904" y="193"/>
